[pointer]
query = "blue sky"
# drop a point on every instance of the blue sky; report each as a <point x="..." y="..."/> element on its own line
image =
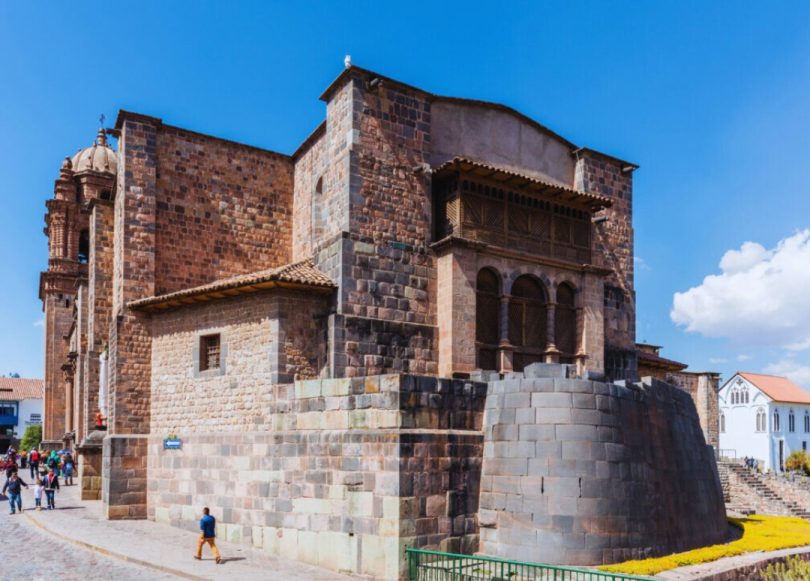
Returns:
<point x="710" y="99"/>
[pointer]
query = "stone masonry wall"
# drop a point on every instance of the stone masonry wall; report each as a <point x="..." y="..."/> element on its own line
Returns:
<point x="58" y="309"/>
<point x="702" y="387"/>
<point x="133" y="277"/>
<point x="222" y="209"/>
<point x="124" y="464"/>
<point x="613" y="248"/>
<point x="347" y="473"/>
<point x="265" y="337"/>
<point x="309" y="207"/>
<point x="100" y="274"/>
<point x="584" y="472"/>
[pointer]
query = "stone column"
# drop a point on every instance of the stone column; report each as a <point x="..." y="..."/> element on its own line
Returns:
<point x="504" y="346"/>
<point x="67" y="374"/>
<point x="90" y="465"/>
<point x="552" y="354"/>
<point x="581" y="354"/>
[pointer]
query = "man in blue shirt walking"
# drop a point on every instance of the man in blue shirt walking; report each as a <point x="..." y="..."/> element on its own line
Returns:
<point x="208" y="534"/>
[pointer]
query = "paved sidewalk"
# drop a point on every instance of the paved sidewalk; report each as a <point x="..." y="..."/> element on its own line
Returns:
<point x="163" y="548"/>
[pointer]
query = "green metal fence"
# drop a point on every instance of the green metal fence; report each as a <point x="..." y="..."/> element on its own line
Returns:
<point x="436" y="566"/>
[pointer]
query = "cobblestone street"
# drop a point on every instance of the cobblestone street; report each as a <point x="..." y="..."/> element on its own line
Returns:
<point x="75" y="541"/>
<point x="55" y="558"/>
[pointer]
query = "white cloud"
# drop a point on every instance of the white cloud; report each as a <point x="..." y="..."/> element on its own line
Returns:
<point x="743" y="357"/>
<point x="761" y="297"/>
<point x="39" y="322"/>
<point x="802" y="345"/>
<point x="718" y="360"/>
<point x="791" y="369"/>
<point x="750" y="254"/>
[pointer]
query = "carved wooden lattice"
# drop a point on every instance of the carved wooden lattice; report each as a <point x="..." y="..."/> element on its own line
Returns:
<point x="473" y="211"/>
<point x="487" y="318"/>
<point x="527" y="321"/>
<point x="565" y="321"/>
<point x="487" y="307"/>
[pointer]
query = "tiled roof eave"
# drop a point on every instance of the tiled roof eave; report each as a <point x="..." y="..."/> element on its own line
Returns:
<point x="511" y="178"/>
<point x="297" y="276"/>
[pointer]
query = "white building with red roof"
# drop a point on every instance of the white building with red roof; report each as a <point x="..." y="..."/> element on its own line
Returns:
<point x="20" y="407"/>
<point x="764" y="417"/>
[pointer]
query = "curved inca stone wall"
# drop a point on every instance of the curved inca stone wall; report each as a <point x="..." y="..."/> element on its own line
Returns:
<point x="584" y="472"/>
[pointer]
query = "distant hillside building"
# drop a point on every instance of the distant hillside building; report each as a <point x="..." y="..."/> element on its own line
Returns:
<point x="20" y="407"/>
<point x="765" y="417"/>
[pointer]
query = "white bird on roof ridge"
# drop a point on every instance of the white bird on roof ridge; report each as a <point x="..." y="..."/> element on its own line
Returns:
<point x="347" y="61"/>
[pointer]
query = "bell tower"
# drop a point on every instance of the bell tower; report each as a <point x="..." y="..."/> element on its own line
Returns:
<point x="88" y="176"/>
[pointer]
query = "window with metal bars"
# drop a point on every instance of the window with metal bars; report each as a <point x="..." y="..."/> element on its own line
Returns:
<point x="210" y="351"/>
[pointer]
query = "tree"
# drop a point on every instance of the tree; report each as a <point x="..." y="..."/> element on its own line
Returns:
<point x="32" y="437"/>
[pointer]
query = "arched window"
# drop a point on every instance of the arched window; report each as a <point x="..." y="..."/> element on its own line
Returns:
<point x="806" y="422"/>
<point x="791" y="422"/>
<point x="734" y="396"/>
<point x="527" y="321"/>
<point x="776" y="427"/>
<point x="565" y="323"/>
<point x="722" y="423"/>
<point x="317" y="209"/>
<point x="84" y="247"/>
<point x="487" y="318"/>
<point x="745" y="395"/>
<point x="760" y="420"/>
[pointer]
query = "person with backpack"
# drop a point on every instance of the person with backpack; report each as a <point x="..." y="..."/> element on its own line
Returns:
<point x="67" y="468"/>
<point x="51" y="484"/>
<point x="53" y="461"/>
<point x="33" y="463"/>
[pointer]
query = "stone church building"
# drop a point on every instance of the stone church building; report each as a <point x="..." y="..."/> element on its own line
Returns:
<point x="317" y="328"/>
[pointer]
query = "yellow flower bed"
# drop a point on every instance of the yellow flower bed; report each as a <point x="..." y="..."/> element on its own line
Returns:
<point x="760" y="533"/>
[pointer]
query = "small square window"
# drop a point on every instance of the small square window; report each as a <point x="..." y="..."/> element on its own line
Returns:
<point x="210" y="352"/>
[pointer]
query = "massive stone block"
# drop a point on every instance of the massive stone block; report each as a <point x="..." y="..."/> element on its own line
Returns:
<point x="348" y="473"/>
<point x="605" y="473"/>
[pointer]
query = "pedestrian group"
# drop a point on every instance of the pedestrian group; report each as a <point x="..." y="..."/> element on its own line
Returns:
<point x="44" y="469"/>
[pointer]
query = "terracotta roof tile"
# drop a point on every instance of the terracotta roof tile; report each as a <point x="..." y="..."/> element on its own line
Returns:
<point x="21" y="388"/>
<point x="511" y="178"/>
<point x="777" y="388"/>
<point x="298" y="274"/>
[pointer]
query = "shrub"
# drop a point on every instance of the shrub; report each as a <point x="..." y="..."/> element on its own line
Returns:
<point x="31" y="438"/>
<point x="798" y="460"/>
<point x="792" y="569"/>
<point x="760" y="533"/>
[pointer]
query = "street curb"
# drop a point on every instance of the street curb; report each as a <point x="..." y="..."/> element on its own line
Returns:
<point x="119" y="556"/>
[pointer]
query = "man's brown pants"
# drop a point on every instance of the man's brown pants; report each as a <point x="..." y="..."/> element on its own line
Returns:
<point x="201" y="541"/>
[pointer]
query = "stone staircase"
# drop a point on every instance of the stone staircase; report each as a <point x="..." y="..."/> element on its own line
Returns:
<point x="747" y="492"/>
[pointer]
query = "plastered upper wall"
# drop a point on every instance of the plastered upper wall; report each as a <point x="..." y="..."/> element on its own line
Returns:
<point x="222" y="209"/>
<point x="485" y="133"/>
